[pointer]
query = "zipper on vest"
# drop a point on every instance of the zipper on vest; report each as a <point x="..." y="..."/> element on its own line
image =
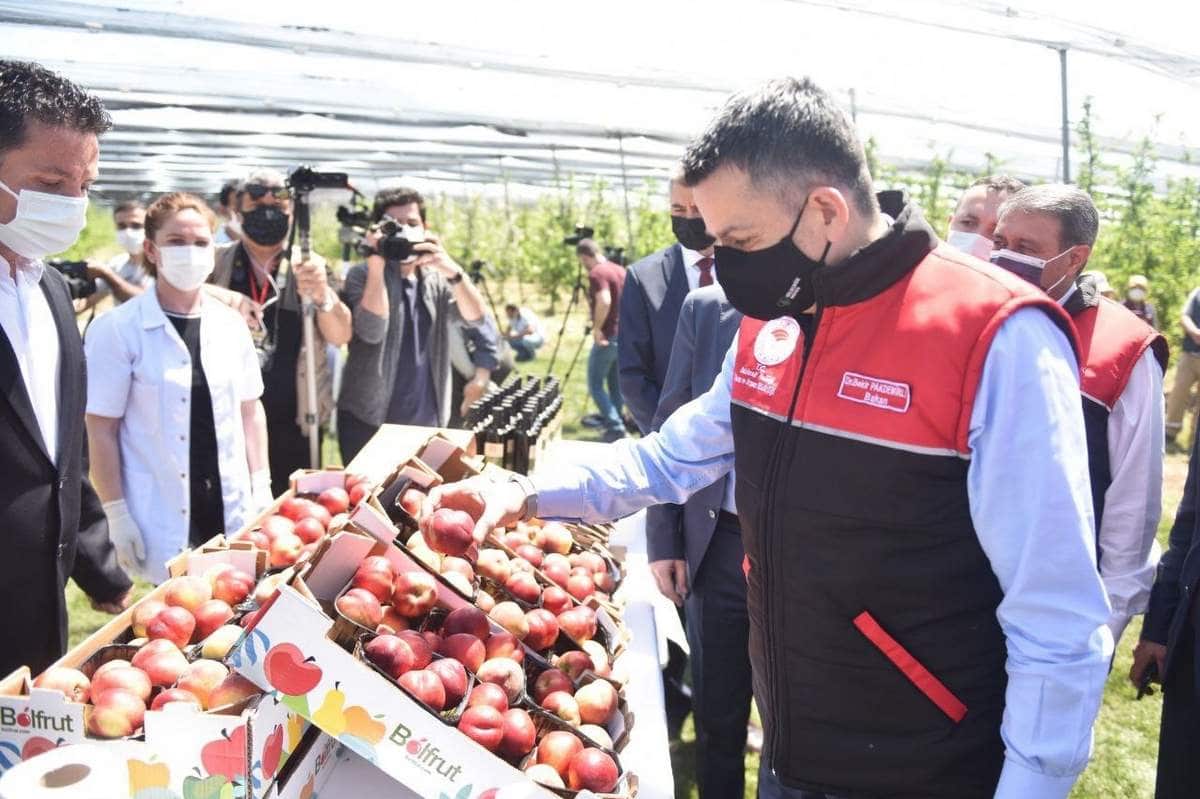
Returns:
<point x="769" y="549"/>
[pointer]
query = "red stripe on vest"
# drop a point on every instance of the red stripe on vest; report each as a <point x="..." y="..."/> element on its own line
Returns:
<point x="910" y="667"/>
<point x="1113" y="340"/>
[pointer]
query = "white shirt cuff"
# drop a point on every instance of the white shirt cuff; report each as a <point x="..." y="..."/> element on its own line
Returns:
<point x="1019" y="782"/>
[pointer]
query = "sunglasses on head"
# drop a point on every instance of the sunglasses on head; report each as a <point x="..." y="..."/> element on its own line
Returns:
<point x="257" y="191"/>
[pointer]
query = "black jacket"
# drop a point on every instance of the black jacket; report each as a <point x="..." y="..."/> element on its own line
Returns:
<point x="1173" y="598"/>
<point x="53" y="524"/>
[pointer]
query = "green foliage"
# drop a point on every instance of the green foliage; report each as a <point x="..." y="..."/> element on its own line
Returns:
<point x="98" y="240"/>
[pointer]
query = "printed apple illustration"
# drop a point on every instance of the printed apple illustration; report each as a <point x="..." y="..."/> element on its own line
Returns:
<point x="271" y="752"/>
<point x="289" y="672"/>
<point x="214" y="787"/>
<point x="143" y="775"/>
<point x="37" y="745"/>
<point x="226" y="756"/>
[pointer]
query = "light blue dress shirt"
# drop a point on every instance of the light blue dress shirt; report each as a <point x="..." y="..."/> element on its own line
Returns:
<point x="1031" y="505"/>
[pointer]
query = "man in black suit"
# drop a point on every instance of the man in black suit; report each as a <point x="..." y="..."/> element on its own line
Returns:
<point x="654" y="290"/>
<point x="1171" y="642"/>
<point x="55" y="526"/>
<point x="695" y="552"/>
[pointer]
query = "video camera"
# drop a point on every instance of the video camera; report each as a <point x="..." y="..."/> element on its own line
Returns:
<point x="78" y="280"/>
<point x="581" y="232"/>
<point x="306" y="179"/>
<point x="356" y="223"/>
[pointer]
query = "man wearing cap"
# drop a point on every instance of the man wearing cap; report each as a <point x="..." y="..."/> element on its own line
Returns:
<point x="1045" y="236"/>
<point x="1137" y="299"/>
<point x="1103" y="287"/>
<point x="925" y="615"/>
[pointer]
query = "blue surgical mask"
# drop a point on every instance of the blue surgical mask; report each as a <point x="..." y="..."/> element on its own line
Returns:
<point x="1027" y="267"/>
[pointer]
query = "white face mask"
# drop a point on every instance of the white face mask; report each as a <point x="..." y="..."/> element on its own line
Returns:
<point x="45" y="224"/>
<point x="131" y="240"/>
<point x="185" y="267"/>
<point x="970" y="243"/>
<point x="1137" y="295"/>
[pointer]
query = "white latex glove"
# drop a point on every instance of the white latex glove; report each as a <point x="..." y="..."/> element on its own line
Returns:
<point x="126" y="537"/>
<point x="260" y="490"/>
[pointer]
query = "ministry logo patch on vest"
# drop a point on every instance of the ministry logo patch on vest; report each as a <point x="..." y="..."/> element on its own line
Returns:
<point x="886" y="394"/>
<point x="776" y="341"/>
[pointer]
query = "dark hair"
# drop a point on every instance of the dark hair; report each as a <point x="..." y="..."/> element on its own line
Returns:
<point x="1078" y="219"/>
<point x="29" y="91"/>
<point x="788" y="134"/>
<point x="1005" y="184"/>
<point x="128" y="205"/>
<point x="587" y="247"/>
<point x="227" y="193"/>
<point x="511" y="307"/>
<point x="401" y="195"/>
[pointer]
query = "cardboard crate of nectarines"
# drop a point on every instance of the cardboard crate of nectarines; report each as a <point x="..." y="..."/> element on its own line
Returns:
<point x="308" y="769"/>
<point x="155" y="672"/>
<point x="299" y="648"/>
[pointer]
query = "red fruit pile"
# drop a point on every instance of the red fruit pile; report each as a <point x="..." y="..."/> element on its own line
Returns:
<point x="300" y="522"/>
<point x="383" y="601"/>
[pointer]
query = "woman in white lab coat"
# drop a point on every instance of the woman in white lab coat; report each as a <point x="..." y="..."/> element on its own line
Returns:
<point x="177" y="434"/>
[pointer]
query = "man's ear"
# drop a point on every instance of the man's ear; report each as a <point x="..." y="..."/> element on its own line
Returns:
<point x="1080" y="255"/>
<point x="831" y="210"/>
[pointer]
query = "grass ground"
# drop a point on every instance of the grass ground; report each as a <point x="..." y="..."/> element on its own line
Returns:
<point x="1126" y="733"/>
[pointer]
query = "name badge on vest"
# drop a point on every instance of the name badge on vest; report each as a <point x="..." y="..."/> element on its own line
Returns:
<point x="876" y="392"/>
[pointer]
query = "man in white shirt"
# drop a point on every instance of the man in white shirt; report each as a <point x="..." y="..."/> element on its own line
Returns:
<point x="524" y="331"/>
<point x="1045" y="234"/>
<point x="49" y="157"/>
<point x="124" y="276"/>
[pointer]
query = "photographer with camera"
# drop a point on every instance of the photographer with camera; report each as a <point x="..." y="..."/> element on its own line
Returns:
<point x="180" y="453"/>
<point x="125" y="276"/>
<point x="269" y="297"/>
<point x="406" y="299"/>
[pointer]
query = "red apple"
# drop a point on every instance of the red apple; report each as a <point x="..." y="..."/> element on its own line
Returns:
<point x="335" y="500"/>
<point x="504" y="645"/>
<point x="392" y="621"/>
<point x="309" y="530"/>
<point x="556" y="600"/>
<point x="285" y="550"/>
<point x="233" y="689"/>
<point x="267" y="587"/>
<point x="232" y="586"/>
<point x="484" y="601"/>
<point x="175" y="695"/>
<point x="275" y="526"/>
<point x="174" y="624"/>
<point x="426" y="686"/>
<point x="357" y="493"/>
<point x="472" y="621"/>
<point x="557" y="569"/>
<point x="414" y="594"/>
<point x="519" y="565"/>
<point x="604" y="582"/>
<point x="391" y="654"/>
<point x="453" y="565"/>
<point x="579" y="623"/>
<point x="258" y="538"/>
<point x="71" y="683"/>
<point x="510" y="616"/>
<point x="116" y="662"/>
<point x="422" y="651"/>
<point x="116" y="714"/>
<point x="375" y="574"/>
<point x="544" y="775"/>
<point x="484" y="725"/>
<point x="162" y="661"/>
<point x="449" y="531"/>
<point x="598" y="655"/>
<point x="123" y="678"/>
<point x="292" y="507"/>
<point x="554" y="537"/>
<point x="543" y="629"/>
<point x="574" y="663"/>
<point x="592" y="770"/>
<point x="519" y="734"/>
<point x="212" y="614"/>
<point x="433" y="639"/>
<point x="187" y="592"/>
<point x="143" y="613"/>
<point x="201" y="679"/>
<point x="453" y="677"/>
<point x="556" y="750"/>
<point x="550" y="681"/>
<point x="531" y="553"/>
<point x="490" y="694"/>
<point x="465" y="648"/>
<point x="514" y="540"/>
<point x="524" y="587"/>
<point x="597" y="702"/>
<point x="563" y="705"/>
<point x="493" y="564"/>
<point x="315" y="510"/>
<point x="597" y="735"/>
<point x="411" y="500"/>
<point x="581" y="586"/>
<point x="361" y="607"/>
<point x="506" y="673"/>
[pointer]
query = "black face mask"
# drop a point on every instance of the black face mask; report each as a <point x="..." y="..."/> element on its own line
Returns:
<point x="266" y="225"/>
<point x="772" y="282"/>
<point x="690" y="232"/>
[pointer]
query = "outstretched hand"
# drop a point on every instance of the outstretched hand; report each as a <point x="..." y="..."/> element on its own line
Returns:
<point x="489" y="503"/>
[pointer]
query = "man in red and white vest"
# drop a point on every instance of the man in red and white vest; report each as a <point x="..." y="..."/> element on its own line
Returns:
<point x="926" y="618"/>
<point x="1045" y="235"/>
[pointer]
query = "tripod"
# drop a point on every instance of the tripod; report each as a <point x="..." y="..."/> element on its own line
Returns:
<point x="575" y="292"/>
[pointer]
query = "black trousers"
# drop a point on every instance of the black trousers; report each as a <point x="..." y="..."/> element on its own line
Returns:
<point x="287" y="447"/>
<point x="718" y="630"/>
<point x="353" y="435"/>
<point x="1179" y="736"/>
